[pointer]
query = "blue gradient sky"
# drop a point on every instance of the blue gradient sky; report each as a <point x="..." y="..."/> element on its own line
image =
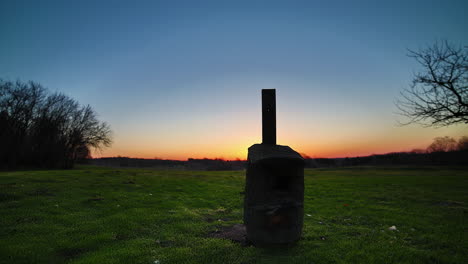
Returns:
<point x="179" y="79"/>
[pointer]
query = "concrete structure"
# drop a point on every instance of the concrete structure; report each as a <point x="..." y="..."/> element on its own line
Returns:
<point x="274" y="192"/>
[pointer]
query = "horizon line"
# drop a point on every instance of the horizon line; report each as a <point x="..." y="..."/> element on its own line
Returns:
<point x="239" y="159"/>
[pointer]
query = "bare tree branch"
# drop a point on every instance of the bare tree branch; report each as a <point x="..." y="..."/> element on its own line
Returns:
<point x="438" y="95"/>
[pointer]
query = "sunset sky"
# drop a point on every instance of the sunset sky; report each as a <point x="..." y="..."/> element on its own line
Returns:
<point x="180" y="79"/>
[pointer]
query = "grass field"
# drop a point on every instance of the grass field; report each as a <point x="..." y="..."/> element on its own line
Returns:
<point x="108" y="215"/>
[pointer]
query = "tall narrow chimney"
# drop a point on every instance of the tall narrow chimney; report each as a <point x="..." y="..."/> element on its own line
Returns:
<point x="269" y="116"/>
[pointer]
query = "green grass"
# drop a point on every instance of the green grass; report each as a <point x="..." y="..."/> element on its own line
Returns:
<point x="105" y="215"/>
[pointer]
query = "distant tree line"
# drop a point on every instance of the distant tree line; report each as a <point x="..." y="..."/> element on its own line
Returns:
<point x="442" y="151"/>
<point x="446" y="144"/>
<point x="215" y="164"/>
<point x="41" y="129"/>
<point x="190" y="164"/>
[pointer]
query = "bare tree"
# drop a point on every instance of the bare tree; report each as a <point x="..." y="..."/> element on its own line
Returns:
<point x="40" y="129"/>
<point x="462" y="144"/>
<point x="438" y="95"/>
<point x="442" y="144"/>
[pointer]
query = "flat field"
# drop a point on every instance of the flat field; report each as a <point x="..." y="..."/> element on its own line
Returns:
<point x="108" y="215"/>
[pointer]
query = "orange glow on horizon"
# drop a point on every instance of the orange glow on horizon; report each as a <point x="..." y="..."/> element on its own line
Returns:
<point x="231" y="140"/>
<point x="240" y="151"/>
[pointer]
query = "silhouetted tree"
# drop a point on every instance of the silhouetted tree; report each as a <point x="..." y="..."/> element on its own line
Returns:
<point x="462" y="144"/>
<point x="442" y="144"/>
<point x="438" y="95"/>
<point x="40" y="129"/>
